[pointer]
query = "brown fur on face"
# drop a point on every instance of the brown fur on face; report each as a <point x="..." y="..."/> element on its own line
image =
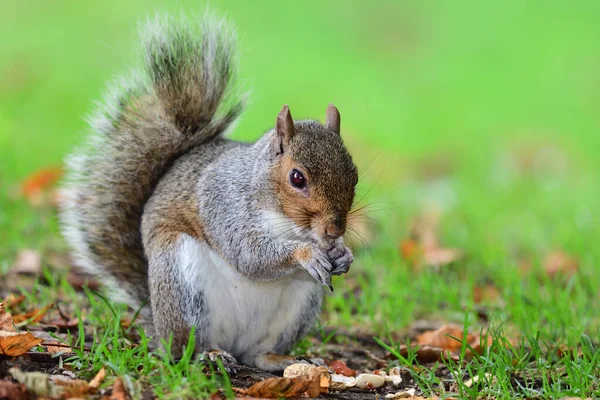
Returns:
<point x="299" y="207"/>
<point x="331" y="176"/>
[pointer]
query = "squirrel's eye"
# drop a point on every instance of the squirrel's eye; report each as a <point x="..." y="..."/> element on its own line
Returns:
<point x="297" y="179"/>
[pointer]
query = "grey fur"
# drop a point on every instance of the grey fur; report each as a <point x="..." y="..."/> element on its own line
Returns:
<point x="136" y="134"/>
<point x="156" y="183"/>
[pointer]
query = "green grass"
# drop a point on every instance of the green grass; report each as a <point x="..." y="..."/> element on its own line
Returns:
<point x="483" y="111"/>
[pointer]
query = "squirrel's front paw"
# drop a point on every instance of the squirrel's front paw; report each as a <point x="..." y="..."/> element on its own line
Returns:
<point x="317" y="264"/>
<point x="340" y="257"/>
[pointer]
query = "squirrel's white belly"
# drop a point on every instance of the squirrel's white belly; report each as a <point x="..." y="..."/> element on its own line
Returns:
<point x="245" y="317"/>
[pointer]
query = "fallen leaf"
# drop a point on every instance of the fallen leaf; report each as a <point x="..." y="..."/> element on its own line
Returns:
<point x="6" y="320"/>
<point x="15" y="344"/>
<point x="119" y="392"/>
<point x="340" y="367"/>
<point x="72" y="323"/>
<point x="70" y="388"/>
<point x="422" y="247"/>
<point x="439" y="257"/>
<point x="317" y="382"/>
<point x="57" y="347"/>
<point x="441" y="337"/>
<point x="485" y="293"/>
<point x="32" y="316"/>
<point x="411" y="251"/>
<point x="28" y="262"/>
<point x="428" y="354"/>
<point x="36" y="187"/>
<point x="13" y="300"/>
<point x="98" y="379"/>
<point x="558" y="262"/>
<point x="13" y="391"/>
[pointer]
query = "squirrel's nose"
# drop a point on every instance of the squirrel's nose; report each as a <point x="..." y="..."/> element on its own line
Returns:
<point x="335" y="230"/>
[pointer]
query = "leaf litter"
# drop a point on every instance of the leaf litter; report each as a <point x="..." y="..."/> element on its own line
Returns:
<point x="421" y="248"/>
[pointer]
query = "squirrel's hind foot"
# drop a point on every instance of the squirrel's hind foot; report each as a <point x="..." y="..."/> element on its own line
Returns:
<point x="226" y="359"/>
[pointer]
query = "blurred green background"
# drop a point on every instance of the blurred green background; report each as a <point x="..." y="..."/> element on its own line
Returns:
<point x="408" y="76"/>
<point x="488" y="110"/>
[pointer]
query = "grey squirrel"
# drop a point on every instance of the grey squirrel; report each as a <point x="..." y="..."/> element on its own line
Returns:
<point x="235" y="239"/>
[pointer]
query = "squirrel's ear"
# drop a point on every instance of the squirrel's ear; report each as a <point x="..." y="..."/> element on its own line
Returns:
<point x="284" y="128"/>
<point x="332" y="119"/>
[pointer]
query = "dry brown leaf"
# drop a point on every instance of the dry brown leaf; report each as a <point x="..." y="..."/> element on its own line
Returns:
<point x="558" y="262"/>
<point x="72" y="323"/>
<point x="487" y="293"/>
<point x="439" y="337"/>
<point x="340" y="367"/>
<point x="422" y="247"/>
<point x="32" y="316"/>
<point x="57" y="347"/>
<point x="308" y="385"/>
<point x="15" y="344"/>
<point x="439" y="257"/>
<point x="98" y="379"/>
<point x="13" y="300"/>
<point x="119" y="392"/>
<point x="13" y="391"/>
<point x="70" y="388"/>
<point x="27" y="262"/>
<point x="6" y="320"/>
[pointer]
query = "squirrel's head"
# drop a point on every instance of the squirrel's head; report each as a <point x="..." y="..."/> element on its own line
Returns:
<point x="313" y="173"/>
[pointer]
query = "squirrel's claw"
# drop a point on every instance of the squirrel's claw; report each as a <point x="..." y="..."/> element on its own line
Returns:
<point x="340" y="257"/>
<point x="319" y="268"/>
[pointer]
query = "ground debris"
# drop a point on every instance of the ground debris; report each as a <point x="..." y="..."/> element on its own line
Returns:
<point x="314" y="381"/>
<point x="13" y="391"/>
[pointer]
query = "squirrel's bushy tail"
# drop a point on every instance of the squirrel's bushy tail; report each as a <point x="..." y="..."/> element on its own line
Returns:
<point x="146" y="121"/>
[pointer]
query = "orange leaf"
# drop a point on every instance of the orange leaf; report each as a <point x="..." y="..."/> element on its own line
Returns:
<point x="410" y="250"/>
<point x="98" y="379"/>
<point x="35" y="315"/>
<point x="15" y="344"/>
<point x="307" y="385"/>
<point x="439" y="337"/>
<point x="340" y="367"/>
<point x="40" y="181"/>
